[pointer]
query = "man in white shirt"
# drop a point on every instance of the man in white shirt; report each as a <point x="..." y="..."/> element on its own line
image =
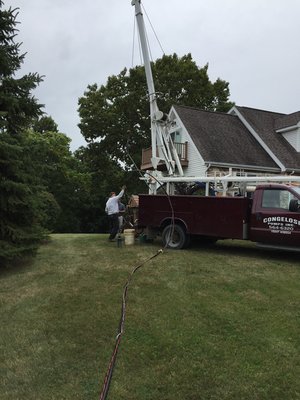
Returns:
<point x="112" y="210"/>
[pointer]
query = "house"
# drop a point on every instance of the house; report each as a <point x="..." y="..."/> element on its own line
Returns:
<point x="244" y="141"/>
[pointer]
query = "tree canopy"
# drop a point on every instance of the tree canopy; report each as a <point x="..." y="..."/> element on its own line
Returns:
<point x="117" y="114"/>
<point x="20" y="195"/>
<point x="44" y="124"/>
<point x="18" y="105"/>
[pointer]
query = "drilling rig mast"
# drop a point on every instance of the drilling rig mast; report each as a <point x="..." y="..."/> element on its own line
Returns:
<point x="163" y="149"/>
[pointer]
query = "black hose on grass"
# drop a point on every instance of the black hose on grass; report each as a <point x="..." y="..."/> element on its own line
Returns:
<point x="109" y="373"/>
<point x="112" y="362"/>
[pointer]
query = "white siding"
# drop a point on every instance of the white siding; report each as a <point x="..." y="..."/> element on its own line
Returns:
<point x="196" y="166"/>
<point x="293" y="137"/>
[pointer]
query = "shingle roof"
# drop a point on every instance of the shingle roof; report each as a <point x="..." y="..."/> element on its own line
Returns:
<point x="265" y="124"/>
<point x="287" y="120"/>
<point x="222" y="138"/>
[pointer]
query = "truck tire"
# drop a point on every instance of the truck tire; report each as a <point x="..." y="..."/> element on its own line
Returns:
<point x="174" y="237"/>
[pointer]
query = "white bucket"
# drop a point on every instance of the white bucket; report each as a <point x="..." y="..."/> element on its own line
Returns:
<point x="129" y="236"/>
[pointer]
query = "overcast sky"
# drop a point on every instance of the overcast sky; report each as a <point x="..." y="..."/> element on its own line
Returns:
<point x="252" y="44"/>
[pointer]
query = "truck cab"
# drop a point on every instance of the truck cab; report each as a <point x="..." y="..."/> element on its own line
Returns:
<point x="275" y="215"/>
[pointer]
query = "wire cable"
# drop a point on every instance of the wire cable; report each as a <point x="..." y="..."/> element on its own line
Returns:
<point x="153" y="30"/>
<point x="147" y="39"/>
<point x="133" y="37"/>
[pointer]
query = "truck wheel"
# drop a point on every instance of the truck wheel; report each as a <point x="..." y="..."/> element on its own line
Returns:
<point x="174" y="237"/>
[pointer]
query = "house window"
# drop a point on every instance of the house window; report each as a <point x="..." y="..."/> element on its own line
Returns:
<point x="277" y="199"/>
<point x="176" y="137"/>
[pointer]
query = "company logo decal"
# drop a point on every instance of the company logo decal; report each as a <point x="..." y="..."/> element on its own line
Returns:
<point x="283" y="225"/>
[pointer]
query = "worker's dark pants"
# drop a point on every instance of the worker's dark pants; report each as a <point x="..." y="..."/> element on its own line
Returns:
<point x="113" y="225"/>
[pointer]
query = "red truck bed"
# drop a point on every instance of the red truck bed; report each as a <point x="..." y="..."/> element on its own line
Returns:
<point x="222" y="217"/>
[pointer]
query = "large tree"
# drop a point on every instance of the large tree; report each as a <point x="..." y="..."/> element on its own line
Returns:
<point x="117" y="114"/>
<point x="106" y="175"/>
<point x="65" y="180"/>
<point x="21" y="199"/>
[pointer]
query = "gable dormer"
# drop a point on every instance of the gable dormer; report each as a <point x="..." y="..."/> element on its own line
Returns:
<point x="289" y="127"/>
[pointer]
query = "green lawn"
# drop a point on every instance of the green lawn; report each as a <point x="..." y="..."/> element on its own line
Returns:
<point x="208" y="323"/>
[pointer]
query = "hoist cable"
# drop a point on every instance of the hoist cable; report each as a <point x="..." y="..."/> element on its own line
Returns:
<point x="153" y="30"/>
<point x="148" y="44"/>
<point x="139" y="45"/>
<point x="133" y="37"/>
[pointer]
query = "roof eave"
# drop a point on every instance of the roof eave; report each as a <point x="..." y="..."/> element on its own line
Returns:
<point x="288" y="128"/>
<point x="242" y="166"/>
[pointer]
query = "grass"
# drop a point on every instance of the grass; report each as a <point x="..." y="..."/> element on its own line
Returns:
<point x="203" y="323"/>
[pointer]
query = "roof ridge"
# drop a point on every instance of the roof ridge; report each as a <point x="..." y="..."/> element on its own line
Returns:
<point x="259" y="109"/>
<point x="200" y="109"/>
<point x="289" y="115"/>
